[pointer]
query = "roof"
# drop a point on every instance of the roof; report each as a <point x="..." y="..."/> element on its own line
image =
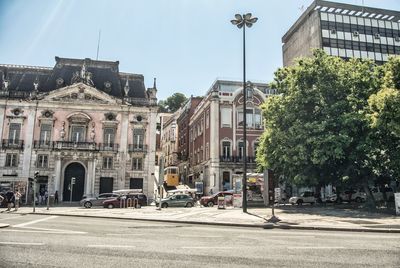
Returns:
<point x="102" y="75"/>
<point x="344" y="9"/>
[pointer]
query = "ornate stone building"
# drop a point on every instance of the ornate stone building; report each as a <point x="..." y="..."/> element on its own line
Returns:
<point x="81" y="119"/>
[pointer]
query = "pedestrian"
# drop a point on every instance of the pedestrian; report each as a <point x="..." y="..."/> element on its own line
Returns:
<point x="56" y="198"/>
<point x="9" y="199"/>
<point x="41" y="193"/>
<point x="17" y="196"/>
<point x="46" y="195"/>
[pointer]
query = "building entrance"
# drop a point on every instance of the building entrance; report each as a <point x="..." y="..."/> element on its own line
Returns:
<point x="77" y="171"/>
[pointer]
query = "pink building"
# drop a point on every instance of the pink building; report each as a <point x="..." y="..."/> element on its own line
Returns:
<point x="216" y="134"/>
<point x="81" y="119"/>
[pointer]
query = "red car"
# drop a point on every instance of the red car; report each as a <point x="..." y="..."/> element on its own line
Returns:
<point x="211" y="200"/>
<point x="126" y="200"/>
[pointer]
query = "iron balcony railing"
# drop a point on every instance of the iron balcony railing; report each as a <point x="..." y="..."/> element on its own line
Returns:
<point x="12" y="144"/>
<point x="137" y="148"/>
<point x="40" y="144"/>
<point x="113" y="147"/>
<point x="236" y="159"/>
<point x="78" y="145"/>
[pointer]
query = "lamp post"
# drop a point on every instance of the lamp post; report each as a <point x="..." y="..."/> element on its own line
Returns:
<point x="243" y="21"/>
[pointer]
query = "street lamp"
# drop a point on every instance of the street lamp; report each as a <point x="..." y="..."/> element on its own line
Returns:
<point x="243" y="21"/>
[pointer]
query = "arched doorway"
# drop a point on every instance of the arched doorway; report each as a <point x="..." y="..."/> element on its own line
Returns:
<point x="77" y="171"/>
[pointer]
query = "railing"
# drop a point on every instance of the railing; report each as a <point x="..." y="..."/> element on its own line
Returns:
<point x="137" y="148"/>
<point x="14" y="94"/>
<point x="12" y="144"/>
<point x="42" y="144"/>
<point x="79" y="145"/>
<point x="236" y="159"/>
<point x="108" y="147"/>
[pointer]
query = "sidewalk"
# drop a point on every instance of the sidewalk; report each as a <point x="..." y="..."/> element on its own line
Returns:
<point x="311" y="217"/>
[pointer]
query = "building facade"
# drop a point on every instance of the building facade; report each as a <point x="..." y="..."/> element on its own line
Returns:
<point x="81" y="119"/>
<point x="344" y="30"/>
<point x="216" y="134"/>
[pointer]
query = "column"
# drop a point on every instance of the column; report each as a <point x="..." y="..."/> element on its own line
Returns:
<point x="28" y="142"/>
<point x="57" y="177"/>
<point x="214" y="145"/>
<point x="89" y="191"/>
<point x="151" y="152"/>
<point x="123" y="149"/>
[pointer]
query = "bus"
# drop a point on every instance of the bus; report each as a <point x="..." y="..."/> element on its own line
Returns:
<point x="171" y="176"/>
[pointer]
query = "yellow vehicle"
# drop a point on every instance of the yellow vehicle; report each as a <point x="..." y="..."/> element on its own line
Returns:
<point x="171" y="176"/>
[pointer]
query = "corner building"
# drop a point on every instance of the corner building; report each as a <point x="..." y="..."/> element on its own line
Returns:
<point x="347" y="31"/>
<point x="81" y="119"/>
<point x="216" y="134"/>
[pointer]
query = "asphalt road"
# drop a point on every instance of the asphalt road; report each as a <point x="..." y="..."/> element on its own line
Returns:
<point x="53" y="241"/>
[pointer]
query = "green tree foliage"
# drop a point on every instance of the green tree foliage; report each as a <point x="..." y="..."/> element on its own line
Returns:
<point x="327" y="123"/>
<point x="172" y="103"/>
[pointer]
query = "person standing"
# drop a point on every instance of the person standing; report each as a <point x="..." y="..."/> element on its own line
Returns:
<point x="56" y="198"/>
<point x="9" y="199"/>
<point x="17" y="197"/>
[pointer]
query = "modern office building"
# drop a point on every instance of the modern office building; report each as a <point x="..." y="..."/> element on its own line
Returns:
<point x="81" y="119"/>
<point x="344" y="30"/>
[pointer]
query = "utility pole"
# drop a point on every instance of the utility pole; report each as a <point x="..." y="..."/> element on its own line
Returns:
<point x="72" y="187"/>
<point x="160" y="180"/>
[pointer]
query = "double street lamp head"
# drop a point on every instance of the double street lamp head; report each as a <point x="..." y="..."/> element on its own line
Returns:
<point x="246" y="19"/>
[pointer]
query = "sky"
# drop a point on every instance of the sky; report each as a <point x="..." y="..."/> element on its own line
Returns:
<point x="185" y="44"/>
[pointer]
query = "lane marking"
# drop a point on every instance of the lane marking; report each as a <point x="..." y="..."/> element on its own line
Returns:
<point x="201" y="236"/>
<point x="110" y="246"/>
<point x="36" y="231"/>
<point x="9" y="218"/>
<point x="35" y="221"/>
<point x="127" y="234"/>
<point x="315" y="247"/>
<point x="21" y="243"/>
<point x="206" y="247"/>
<point x="55" y="230"/>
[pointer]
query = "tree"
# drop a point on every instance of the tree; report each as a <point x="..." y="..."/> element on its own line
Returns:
<point x="172" y="103"/>
<point x="317" y="130"/>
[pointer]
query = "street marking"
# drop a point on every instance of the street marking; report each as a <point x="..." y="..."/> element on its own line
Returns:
<point x="35" y="221"/>
<point x="9" y="218"/>
<point x="55" y="230"/>
<point x="127" y="234"/>
<point x="21" y="243"/>
<point x="201" y="236"/>
<point x="36" y="231"/>
<point x="110" y="246"/>
<point x="206" y="247"/>
<point x="315" y="247"/>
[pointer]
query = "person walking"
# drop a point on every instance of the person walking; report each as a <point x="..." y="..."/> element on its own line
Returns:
<point x="56" y="198"/>
<point x="9" y="199"/>
<point x="17" y="197"/>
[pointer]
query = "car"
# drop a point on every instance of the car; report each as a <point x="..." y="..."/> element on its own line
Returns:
<point x="211" y="200"/>
<point x="352" y="195"/>
<point x="305" y="197"/>
<point x="88" y="202"/>
<point x="177" y="200"/>
<point x="138" y="200"/>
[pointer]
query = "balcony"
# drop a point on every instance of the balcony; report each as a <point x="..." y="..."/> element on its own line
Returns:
<point x="110" y="147"/>
<point x="12" y="144"/>
<point x="42" y="144"/>
<point x="137" y="148"/>
<point x="236" y="159"/>
<point x="75" y="145"/>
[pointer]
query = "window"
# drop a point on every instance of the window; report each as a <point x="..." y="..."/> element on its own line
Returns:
<point x="107" y="162"/>
<point x="109" y="136"/>
<point x="137" y="163"/>
<point x="78" y="133"/>
<point x="257" y="119"/>
<point x="138" y="137"/>
<point x="226" y="117"/>
<point x="253" y="118"/>
<point x="207" y="119"/>
<point x="45" y="134"/>
<point x="207" y="151"/>
<point x="226" y="149"/>
<point x="14" y="133"/>
<point x="42" y="161"/>
<point x="11" y="160"/>
<point x="240" y="149"/>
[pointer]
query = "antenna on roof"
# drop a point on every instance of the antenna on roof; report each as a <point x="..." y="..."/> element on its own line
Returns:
<point x="98" y="45"/>
<point x="301" y="8"/>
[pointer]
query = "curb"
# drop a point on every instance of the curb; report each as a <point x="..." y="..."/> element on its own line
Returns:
<point x="246" y="225"/>
<point x="4" y="225"/>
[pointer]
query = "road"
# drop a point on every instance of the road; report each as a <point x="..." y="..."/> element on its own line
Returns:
<point x="56" y="241"/>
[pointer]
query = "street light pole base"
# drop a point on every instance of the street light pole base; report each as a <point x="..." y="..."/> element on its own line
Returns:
<point x="274" y="219"/>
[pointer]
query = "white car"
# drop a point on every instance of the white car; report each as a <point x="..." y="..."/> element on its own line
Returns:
<point x="353" y="195"/>
<point x="306" y="197"/>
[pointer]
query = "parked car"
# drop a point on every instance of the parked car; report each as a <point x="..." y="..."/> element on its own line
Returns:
<point x="352" y="195"/>
<point x="378" y="193"/>
<point x="211" y="200"/>
<point x="126" y="200"/>
<point x="305" y="197"/>
<point x="88" y="202"/>
<point x="178" y="200"/>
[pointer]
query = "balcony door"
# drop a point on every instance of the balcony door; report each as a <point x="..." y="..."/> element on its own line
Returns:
<point x="78" y="133"/>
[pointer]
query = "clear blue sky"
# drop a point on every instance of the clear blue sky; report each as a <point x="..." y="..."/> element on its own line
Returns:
<point x="185" y="44"/>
